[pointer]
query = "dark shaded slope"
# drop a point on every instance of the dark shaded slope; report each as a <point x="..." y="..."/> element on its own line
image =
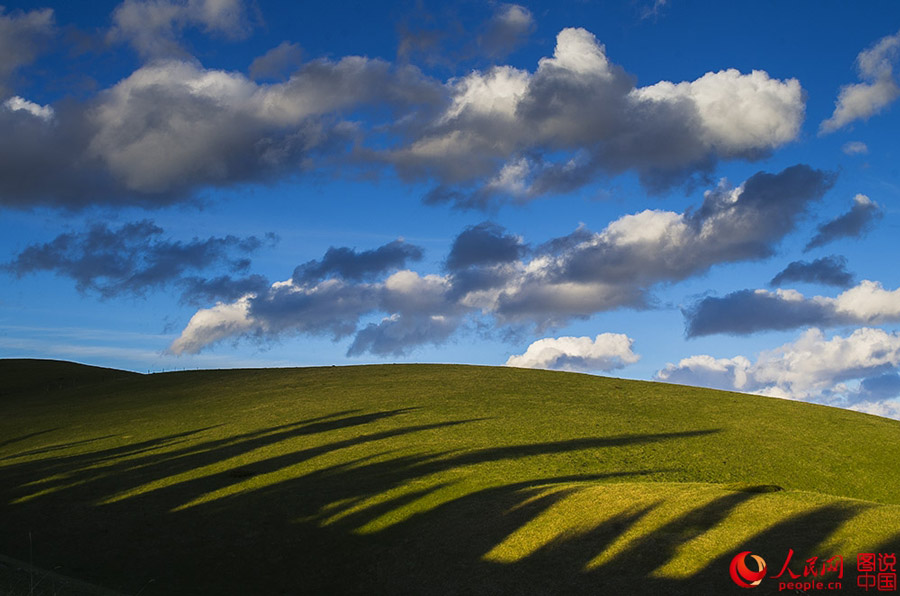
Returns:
<point x="27" y="376"/>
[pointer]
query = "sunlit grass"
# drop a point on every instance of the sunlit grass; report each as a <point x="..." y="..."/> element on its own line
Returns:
<point x="335" y="476"/>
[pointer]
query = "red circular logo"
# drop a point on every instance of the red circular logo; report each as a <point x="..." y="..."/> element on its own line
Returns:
<point x="742" y="575"/>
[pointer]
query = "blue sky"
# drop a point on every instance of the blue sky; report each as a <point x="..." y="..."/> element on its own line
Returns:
<point x="701" y="193"/>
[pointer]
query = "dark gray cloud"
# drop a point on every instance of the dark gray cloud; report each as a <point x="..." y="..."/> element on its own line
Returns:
<point x="831" y="271"/>
<point x="853" y="224"/>
<point x="330" y="308"/>
<point x="483" y="279"/>
<point x="173" y="127"/>
<point x="445" y="37"/>
<point x="732" y="224"/>
<point x="420" y="313"/>
<point x="135" y="258"/>
<point x="48" y="163"/>
<point x="589" y="272"/>
<point x="278" y="62"/>
<point x="199" y="290"/>
<point x="557" y="246"/>
<point x="23" y="34"/>
<point x="153" y="27"/>
<point x="396" y="335"/>
<point x="749" y="311"/>
<point x="506" y="30"/>
<point x="365" y="265"/>
<point x="490" y="274"/>
<point x="484" y="244"/>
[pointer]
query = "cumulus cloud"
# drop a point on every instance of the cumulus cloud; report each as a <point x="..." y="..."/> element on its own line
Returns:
<point x="729" y="374"/>
<point x="855" y="148"/>
<point x="175" y="124"/>
<point x="885" y="409"/>
<point x="853" y="224"/>
<point x="855" y="370"/>
<point x="491" y="273"/>
<point x="210" y="325"/>
<point x="172" y="127"/>
<point x="504" y="127"/>
<point x="592" y="272"/>
<point x="22" y="37"/>
<point x="878" y="89"/>
<point x="152" y="27"/>
<point x="136" y="258"/>
<point x="419" y="311"/>
<point x="19" y="104"/>
<point x="749" y="311"/>
<point x="830" y="271"/>
<point x="606" y="352"/>
<point x="506" y="30"/>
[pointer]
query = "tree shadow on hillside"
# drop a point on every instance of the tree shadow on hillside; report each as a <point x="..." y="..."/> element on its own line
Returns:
<point x="25" y="437"/>
<point x="139" y="518"/>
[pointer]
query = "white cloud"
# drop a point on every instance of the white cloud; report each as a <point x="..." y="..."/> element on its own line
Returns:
<point x="577" y="52"/>
<point x="879" y="88"/>
<point x="578" y="114"/>
<point x="860" y="101"/>
<point x="863" y="200"/>
<point x="886" y="408"/>
<point x="739" y="113"/>
<point x="17" y="103"/>
<point x="813" y="368"/>
<point x="516" y="16"/>
<point x="214" y="324"/>
<point x="605" y="352"/>
<point x="868" y="303"/>
<point x="813" y="365"/>
<point x="494" y="93"/>
<point x="706" y="371"/>
<point x="512" y="178"/>
<point x="855" y="148"/>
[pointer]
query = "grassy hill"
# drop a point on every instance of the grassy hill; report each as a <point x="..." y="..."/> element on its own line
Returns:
<point x="428" y="479"/>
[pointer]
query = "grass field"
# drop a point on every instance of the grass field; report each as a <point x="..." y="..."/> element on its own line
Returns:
<point x="427" y="479"/>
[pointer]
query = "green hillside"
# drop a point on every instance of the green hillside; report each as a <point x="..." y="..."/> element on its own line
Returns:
<point x="427" y="479"/>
